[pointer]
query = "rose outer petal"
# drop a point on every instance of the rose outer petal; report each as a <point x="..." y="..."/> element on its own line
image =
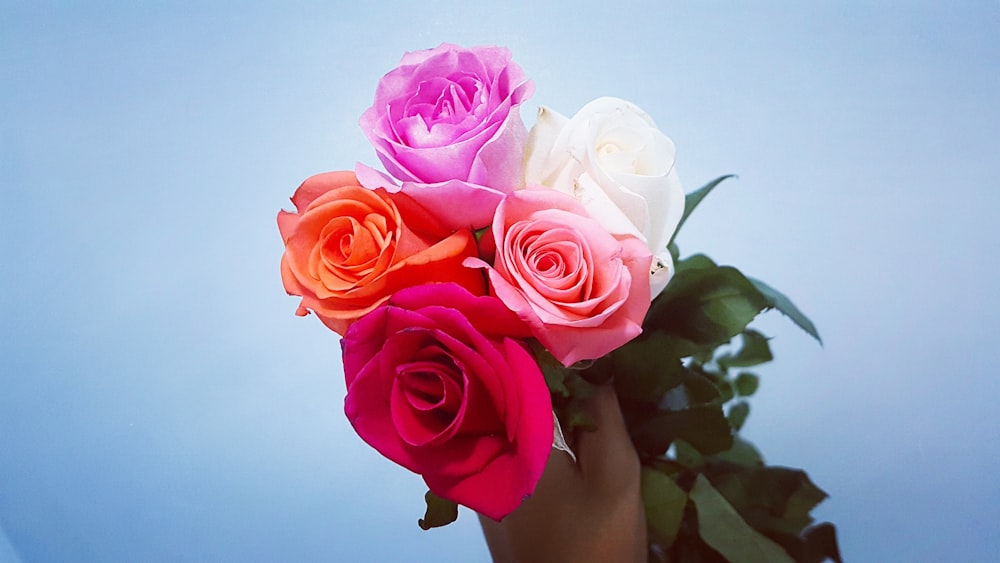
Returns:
<point x="511" y="477"/>
<point x="457" y="204"/>
<point x="454" y="204"/>
<point x="488" y="315"/>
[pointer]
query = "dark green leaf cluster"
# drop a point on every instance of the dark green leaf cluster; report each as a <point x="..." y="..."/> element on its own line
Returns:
<point x="683" y="387"/>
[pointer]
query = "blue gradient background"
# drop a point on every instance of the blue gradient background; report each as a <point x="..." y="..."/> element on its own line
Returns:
<point x="160" y="402"/>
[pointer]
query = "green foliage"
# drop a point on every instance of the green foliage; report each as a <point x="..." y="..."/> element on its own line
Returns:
<point x="688" y="455"/>
<point x="440" y="512"/>
<point x="772" y="499"/>
<point x="653" y="365"/>
<point x="664" y="502"/>
<point x="746" y="384"/>
<point x="478" y="233"/>
<point x="674" y="251"/>
<point x="742" y="453"/>
<point x="705" y="305"/>
<point x="568" y="388"/>
<point x="738" y="414"/>
<point x="702" y="426"/>
<point x="754" y="350"/>
<point x="722" y="528"/>
<point x="683" y="386"/>
<point x="695" y="262"/>
<point x="818" y="543"/>
<point x="784" y="305"/>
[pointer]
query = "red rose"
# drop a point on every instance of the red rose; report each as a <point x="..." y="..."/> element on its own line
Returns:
<point x="440" y="381"/>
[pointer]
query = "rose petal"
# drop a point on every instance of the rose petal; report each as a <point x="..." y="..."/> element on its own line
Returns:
<point x="454" y="204"/>
<point x="457" y="204"/>
<point x="540" y="162"/>
<point x="502" y="485"/>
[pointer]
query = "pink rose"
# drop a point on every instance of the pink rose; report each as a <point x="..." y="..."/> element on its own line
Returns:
<point x="440" y="382"/>
<point x="446" y="123"/>
<point x="583" y="290"/>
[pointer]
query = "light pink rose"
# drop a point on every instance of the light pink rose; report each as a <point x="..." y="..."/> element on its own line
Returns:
<point x="446" y="123"/>
<point x="613" y="159"/>
<point x="442" y="383"/>
<point x="583" y="291"/>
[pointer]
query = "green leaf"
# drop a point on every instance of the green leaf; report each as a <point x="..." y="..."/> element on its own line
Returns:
<point x="695" y="262"/>
<point x="554" y="373"/>
<point x="746" y="384"/>
<point x="725" y="390"/>
<point x="802" y="501"/>
<point x="754" y="350"/>
<point x="742" y="453"/>
<point x="782" y="303"/>
<point x="772" y="499"/>
<point x="692" y="200"/>
<point x="707" y="306"/>
<point x="687" y="455"/>
<point x="646" y="367"/>
<point x="572" y="410"/>
<point x="700" y="388"/>
<point x="704" y="427"/>
<point x="440" y="512"/>
<point x="738" y="414"/>
<point x="820" y="544"/>
<point x="664" y="503"/>
<point x="554" y="380"/>
<point x="675" y="252"/>
<point x="478" y="233"/>
<point x="722" y="528"/>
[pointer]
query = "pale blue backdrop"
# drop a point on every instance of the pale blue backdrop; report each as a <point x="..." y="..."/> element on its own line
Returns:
<point x="160" y="402"/>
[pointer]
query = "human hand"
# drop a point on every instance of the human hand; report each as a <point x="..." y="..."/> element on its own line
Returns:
<point x="580" y="512"/>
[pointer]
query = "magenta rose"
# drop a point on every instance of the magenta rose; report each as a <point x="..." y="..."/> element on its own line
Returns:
<point x="446" y="123"/>
<point x="583" y="291"/>
<point x="441" y="382"/>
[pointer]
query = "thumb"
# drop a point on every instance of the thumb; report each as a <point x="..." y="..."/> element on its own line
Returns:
<point x="607" y="457"/>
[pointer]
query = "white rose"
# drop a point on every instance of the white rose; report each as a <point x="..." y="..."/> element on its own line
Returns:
<point x="611" y="157"/>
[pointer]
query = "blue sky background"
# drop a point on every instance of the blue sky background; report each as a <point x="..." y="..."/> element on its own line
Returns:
<point x="160" y="402"/>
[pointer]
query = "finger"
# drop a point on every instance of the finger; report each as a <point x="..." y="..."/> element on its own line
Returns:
<point x="542" y="517"/>
<point x="606" y="455"/>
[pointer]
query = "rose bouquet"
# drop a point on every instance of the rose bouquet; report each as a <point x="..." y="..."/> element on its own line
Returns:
<point x="492" y="275"/>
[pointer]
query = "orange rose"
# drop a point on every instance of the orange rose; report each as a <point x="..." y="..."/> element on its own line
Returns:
<point x="348" y="248"/>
